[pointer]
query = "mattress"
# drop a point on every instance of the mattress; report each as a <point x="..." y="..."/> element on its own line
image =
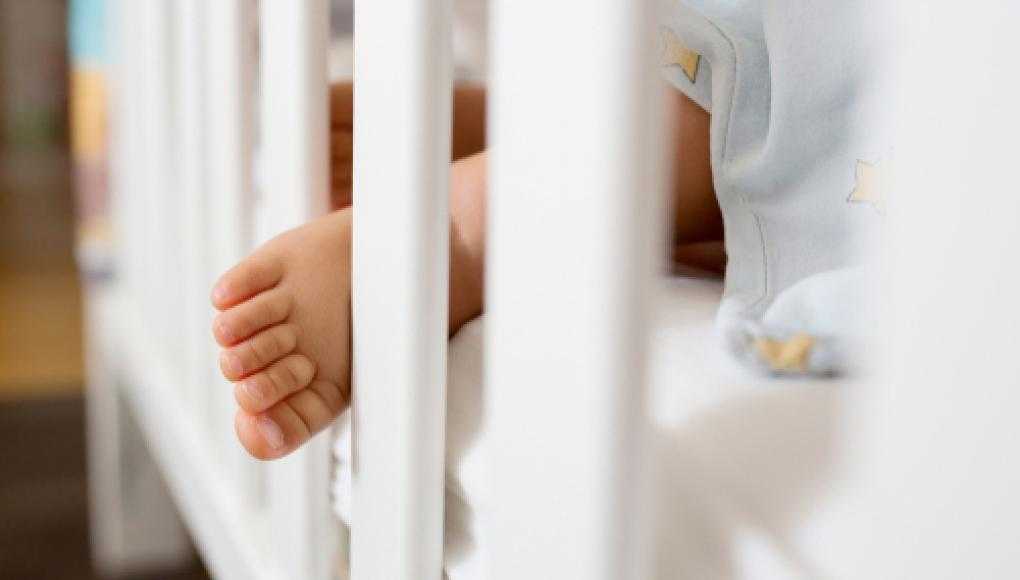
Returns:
<point x="745" y="464"/>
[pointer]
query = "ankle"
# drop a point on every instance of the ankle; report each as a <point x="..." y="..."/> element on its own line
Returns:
<point x="467" y="239"/>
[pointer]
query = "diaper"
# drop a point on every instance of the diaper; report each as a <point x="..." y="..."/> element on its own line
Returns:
<point x="799" y="148"/>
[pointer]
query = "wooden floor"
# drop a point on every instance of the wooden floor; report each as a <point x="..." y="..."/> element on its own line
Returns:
<point x="43" y="506"/>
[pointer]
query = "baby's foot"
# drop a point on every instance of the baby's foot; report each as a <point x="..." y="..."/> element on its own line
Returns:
<point x="285" y="328"/>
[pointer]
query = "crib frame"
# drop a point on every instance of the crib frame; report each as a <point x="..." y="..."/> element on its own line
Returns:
<point x="200" y="174"/>
<point x="185" y="150"/>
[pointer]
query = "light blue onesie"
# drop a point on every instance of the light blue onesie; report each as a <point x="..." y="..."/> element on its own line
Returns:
<point x="800" y="117"/>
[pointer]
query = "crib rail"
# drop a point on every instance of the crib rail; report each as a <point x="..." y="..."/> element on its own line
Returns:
<point x="294" y="159"/>
<point x="573" y="145"/>
<point x="221" y="142"/>
<point x="574" y="188"/>
<point x="401" y="246"/>
<point x="229" y="187"/>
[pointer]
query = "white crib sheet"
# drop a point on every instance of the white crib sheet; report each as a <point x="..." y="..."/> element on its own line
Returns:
<point x="744" y="464"/>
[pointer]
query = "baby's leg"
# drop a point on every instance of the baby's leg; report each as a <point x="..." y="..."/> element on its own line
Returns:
<point x="467" y="187"/>
<point x="468" y="133"/>
<point x="697" y="221"/>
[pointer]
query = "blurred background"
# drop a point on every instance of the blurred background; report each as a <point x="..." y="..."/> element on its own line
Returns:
<point x="52" y="191"/>
<point x="40" y="354"/>
<point x="43" y="516"/>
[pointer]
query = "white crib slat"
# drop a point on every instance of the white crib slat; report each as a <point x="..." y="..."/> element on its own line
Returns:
<point x="294" y="157"/>
<point x="294" y="143"/>
<point x="191" y="151"/>
<point x="166" y="210"/>
<point x="162" y="260"/>
<point x="401" y="236"/>
<point x="574" y="187"/>
<point x="125" y="159"/>
<point x="229" y="121"/>
<point x="935" y="435"/>
<point x="141" y="182"/>
<point x="131" y="175"/>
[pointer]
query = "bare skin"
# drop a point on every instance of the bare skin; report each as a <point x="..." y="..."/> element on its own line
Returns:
<point x="284" y="321"/>
<point x="697" y="221"/>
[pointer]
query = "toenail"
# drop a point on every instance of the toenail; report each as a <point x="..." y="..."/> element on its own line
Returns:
<point x="220" y="295"/>
<point x="224" y="331"/>
<point x="271" y="432"/>
<point x="252" y="391"/>
<point x="232" y="363"/>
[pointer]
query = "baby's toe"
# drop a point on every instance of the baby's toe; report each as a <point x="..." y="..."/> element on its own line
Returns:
<point x="244" y="320"/>
<point x="318" y="405"/>
<point x="290" y="423"/>
<point x="258" y="352"/>
<point x="257" y="273"/>
<point x="280" y="380"/>
<point x="262" y="435"/>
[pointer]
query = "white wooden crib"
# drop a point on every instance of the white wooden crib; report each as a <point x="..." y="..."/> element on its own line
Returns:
<point x="217" y="146"/>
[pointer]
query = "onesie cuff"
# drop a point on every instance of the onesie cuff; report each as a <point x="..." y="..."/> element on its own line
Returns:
<point x="687" y="70"/>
